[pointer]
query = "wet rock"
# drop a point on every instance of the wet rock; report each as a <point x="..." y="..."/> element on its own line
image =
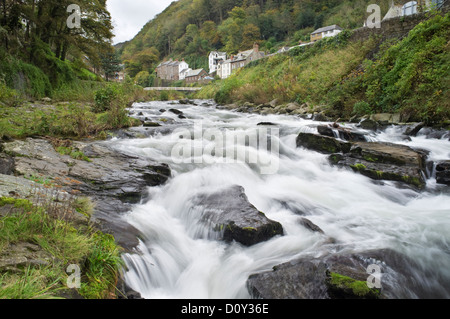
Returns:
<point x="301" y="279"/>
<point x="341" y="276"/>
<point x="385" y="161"/>
<point x="414" y="129"/>
<point x="266" y="124"/>
<point x="151" y="124"/>
<point x="368" y="124"/>
<point x="443" y="173"/>
<point x="432" y="133"/>
<point x="344" y="134"/>
<point x="231" y="214"/>
<point x="187" y="101"/>
<point x="176" y="112"/>
<point x="310" y="225"/>
<point x="321" y="117"/>
<point x="322" y="144"/>
<point x="382" y="118"/>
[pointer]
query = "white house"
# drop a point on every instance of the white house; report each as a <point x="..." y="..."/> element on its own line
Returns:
<point x="224" y="69"/>
<point x="184" y="73"/>
<point x="326" y="32"/>
<point x="181" y="67"/>
<point x="215" y="58"/>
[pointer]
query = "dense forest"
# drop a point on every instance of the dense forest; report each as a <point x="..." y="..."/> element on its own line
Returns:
<point x="190" y="29"/>
<point x="41" y="53"/>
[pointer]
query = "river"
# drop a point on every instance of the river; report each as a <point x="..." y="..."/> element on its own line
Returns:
<point x="179" y="260"/>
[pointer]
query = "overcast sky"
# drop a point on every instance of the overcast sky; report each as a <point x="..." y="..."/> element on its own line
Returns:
<point x="130" y="16"/>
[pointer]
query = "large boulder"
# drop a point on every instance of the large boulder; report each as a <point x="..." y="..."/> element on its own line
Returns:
<point x="385" y="161"/>
<point x="342" y="133"/>
<point x="322" y="144"/>
<point x="341" y="276"/>
<point x="229" y="213"/>
<point x="379" y="161"/>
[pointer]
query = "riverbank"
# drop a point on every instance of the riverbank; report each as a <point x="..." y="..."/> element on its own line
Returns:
<point x="344" y="78"/>
<point x="116" y="179"/>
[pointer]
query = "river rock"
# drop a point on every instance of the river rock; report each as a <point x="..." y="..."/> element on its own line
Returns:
<point x="176" y="112"/>
<point x="310" y="225"/>
<point x="300" y="279"/>
<point x="112" y="178"/>
<point x="321" y="117"/>
<point x="344" y="134"/>
<point x="340" y="276"/>
<point x="322" y="144"/>
<point x="368" y="124"/>
<point x="151" y="124"/>
<point x="443" y="172"/>
<point x="229" y="212"/>
<point x="385" y="161"/>
<point x="414" y="129"/>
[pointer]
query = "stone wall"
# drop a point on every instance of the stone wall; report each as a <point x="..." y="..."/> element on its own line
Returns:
<point x="394" y="28"/>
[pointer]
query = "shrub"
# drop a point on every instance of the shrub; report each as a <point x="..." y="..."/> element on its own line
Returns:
<point x="104" y="99"/>
<point x="362" y="108"/>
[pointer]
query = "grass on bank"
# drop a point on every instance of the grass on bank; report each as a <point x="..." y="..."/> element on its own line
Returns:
<point x="96" y="254"/>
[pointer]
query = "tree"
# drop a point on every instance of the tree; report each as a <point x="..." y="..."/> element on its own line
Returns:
<point x="111" y="64"/>
<point x="250" y="35"/>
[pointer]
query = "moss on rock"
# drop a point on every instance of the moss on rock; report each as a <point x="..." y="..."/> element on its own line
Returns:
<point x="348" y="288"/>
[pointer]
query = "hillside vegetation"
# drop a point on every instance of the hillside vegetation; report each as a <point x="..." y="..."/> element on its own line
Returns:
<point x="408" y="76"/>
<point x="190" y="29"/>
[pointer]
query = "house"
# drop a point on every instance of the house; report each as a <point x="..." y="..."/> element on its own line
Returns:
<point x="325" y="32"/>
<point x="195" y="76"/>
<point x="214" y="58"/>
<point x="393" y="12"/>
<point x="184" y="72"/>
<point x="283" y="49"/>
<point x="171" y="70"/>
<point x="411" y="7"/>
<point x="226" y="67"/>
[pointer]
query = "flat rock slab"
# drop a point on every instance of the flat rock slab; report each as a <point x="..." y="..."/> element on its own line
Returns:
<point x="230" y="213"/>
<point x="112" y="178"/>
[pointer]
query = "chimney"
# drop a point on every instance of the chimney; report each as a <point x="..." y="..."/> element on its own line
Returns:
<point x="256" y="47"/>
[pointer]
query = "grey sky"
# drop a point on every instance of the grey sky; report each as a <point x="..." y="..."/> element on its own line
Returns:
<point x="130" y="16"/>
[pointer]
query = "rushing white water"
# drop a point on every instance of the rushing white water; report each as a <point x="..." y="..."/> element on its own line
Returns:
<point x="176" y="260"/>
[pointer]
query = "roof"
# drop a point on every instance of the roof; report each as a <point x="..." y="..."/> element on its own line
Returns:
<point x="218" y="52"/>
<point x="329" y="28"/>
<point x="170" y="63"/>
<point x="194" y="72"/>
